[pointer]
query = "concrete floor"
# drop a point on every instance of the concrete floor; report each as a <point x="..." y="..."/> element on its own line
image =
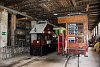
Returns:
<point x="53" y="60"/>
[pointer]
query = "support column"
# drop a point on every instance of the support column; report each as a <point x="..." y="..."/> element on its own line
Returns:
<point x="13" y="27"/>
<point x="3" y="30"/>
<point x="86" y="36"/>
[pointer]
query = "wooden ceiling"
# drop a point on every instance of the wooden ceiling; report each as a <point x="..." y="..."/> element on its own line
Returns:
<point x="45" y="9"/>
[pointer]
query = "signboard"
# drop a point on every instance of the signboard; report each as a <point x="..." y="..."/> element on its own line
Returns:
<point x="4" y="33"/>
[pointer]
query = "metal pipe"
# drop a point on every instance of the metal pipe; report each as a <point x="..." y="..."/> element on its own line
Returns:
<point x="14" y="11"/>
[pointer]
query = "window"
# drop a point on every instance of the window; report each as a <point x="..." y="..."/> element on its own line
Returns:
<point x="99" y="28"/>
<point x="96" y="31"/>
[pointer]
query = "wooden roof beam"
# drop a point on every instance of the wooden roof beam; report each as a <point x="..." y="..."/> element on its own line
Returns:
<point x="94" y="14"/>
<point x="74" y="3"/>
<point x="14" y="11"/>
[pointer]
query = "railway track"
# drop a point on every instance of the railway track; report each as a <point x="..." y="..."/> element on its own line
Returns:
<point x="68" y="60"/>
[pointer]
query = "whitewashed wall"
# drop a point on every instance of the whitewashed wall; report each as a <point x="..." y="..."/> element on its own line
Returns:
<point x="3" y="28"/>
<point x="0" y="29"/>
<point x="33" y="23"/>
<point x="3" y="31"/>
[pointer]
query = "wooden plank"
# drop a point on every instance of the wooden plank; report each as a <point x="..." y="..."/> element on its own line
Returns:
<point x="13" y="27"/>
<point x="72" y="19"/>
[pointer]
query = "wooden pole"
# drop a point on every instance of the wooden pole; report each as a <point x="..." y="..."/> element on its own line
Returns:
<point x="13" y="27"/>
